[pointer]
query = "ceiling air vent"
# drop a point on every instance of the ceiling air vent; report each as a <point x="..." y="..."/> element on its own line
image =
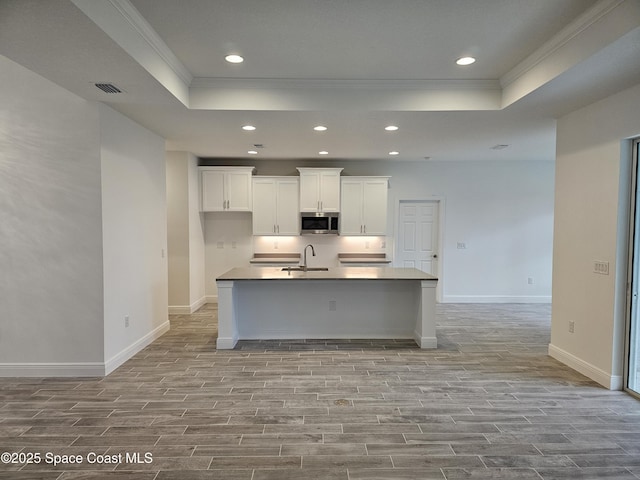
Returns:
<point x="108" y="87"/>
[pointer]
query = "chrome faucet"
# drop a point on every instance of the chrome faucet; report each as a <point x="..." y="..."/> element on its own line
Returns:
<point x="304" y="262"/>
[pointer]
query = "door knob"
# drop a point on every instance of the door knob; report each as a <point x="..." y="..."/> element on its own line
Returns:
<point x="435" y="256"/>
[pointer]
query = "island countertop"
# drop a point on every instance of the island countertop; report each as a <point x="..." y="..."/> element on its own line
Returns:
<point x="333" y="273"/>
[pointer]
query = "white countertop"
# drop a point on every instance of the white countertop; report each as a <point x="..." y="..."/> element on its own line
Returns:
<point x="333" y="273"/>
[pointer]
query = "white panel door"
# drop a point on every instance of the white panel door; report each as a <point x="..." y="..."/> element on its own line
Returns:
<point x="417" y="242"/>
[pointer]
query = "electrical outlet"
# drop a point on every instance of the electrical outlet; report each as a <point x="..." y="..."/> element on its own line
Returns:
<point x="332" y="305"/>
<point x="219" y="244"/>
<point x="126" y="321"/>
<point x="601" y="267"/>
<point x="275" y="245"/>
<point x="461" y="246"/>
<point x="383" y="244"/>
<point x="530" y="281"/>
<point x="366" y="244"/>
<point x="571" y="327"/>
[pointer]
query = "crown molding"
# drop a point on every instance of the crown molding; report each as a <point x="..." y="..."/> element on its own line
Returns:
<point x="563" y="37"/>
<point x="381" y="84"/>
<point x="149" y="35"/>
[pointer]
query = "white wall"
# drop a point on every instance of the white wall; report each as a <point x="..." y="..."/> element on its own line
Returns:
<point x="178" y="228"/>
<point x="590" y="224"/>
<point x="196" y="238"/>
<point x="83" y="227"/>
<point x="185" y="234"/>
<point x="134" y="232"/>
<point x="50" y="228"/>
<point x="502" y="211"/>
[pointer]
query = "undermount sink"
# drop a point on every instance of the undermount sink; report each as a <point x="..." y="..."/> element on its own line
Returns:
<point x="308" y="269"/>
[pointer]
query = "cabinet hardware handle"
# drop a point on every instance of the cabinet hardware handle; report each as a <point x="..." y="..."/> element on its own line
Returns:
<point x="278" y="228"/>
<point x="364" y="228"/>
<point x="321" y="205"/>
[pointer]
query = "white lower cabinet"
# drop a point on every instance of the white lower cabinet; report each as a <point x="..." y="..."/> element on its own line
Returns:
<point x="363" y="209"/>
<point x="276" y="206"/>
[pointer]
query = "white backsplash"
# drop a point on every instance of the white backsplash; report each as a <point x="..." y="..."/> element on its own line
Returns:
<point x="327" y="247"/>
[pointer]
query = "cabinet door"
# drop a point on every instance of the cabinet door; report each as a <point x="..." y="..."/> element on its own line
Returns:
<point x="351" y="213"/>
<point x="264" y="207"/>
<point x="374" y="207"/>
<point x="212" y="184"/>
<point x="288" y="207"/>
<point x="309" y="191"/>
<point x="238" y="193"/>
<point x="330" y="191"/>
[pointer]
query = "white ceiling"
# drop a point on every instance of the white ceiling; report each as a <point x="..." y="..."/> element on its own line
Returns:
<point x="354" y="66"/>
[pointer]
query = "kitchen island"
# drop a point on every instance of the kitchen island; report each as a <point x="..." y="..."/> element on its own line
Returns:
<point x="334" y="303"/>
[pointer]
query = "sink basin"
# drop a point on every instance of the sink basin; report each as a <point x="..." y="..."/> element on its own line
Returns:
<point x="309" y="269"/>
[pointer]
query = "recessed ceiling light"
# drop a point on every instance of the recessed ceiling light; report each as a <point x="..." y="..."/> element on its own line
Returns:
<point x="249" y="128"/>
<point x="252" y="152"/>
<point x="391" y="128"/>
<point x="320" y="128"/>
<point x="394" y="153"/>
<point x="465" y="61"/>
<point x="323" y="152"/>
<point x="234" y="58"/>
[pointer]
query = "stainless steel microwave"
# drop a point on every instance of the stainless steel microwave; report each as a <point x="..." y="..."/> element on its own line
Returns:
<point x="319" y="223"/>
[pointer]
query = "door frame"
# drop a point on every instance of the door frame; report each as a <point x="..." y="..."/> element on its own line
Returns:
<point x="440" y="201"/>
<point x="634" y="187"/>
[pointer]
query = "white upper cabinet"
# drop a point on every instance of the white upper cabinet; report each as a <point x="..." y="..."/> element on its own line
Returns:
<point x="226" y="189"/>
<point x="276" y="206"/>
<point x="364" y="206"/>
<point x="320" y="189"/>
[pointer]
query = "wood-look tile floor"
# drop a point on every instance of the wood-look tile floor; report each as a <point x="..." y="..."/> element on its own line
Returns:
<point x="487" y="404"/>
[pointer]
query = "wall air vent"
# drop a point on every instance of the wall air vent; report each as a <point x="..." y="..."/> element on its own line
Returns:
<point x="108" y="87"/>
<point x="499" y="147"/>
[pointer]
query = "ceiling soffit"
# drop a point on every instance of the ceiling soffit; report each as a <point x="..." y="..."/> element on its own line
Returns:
<point x="598" y="27"/>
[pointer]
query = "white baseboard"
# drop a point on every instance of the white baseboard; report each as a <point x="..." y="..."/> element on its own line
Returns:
<point x="226" y="343"/>
<point x="58" y="369"/>
<point x="187" y="309"/>
<point x="425" y="342"/>
<point x="85" y="369"/>
<point x="119" y="358"/>
<point x="612" y="382"/>
<point x="496" y="299"/>
<point x="212" y="298"/>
